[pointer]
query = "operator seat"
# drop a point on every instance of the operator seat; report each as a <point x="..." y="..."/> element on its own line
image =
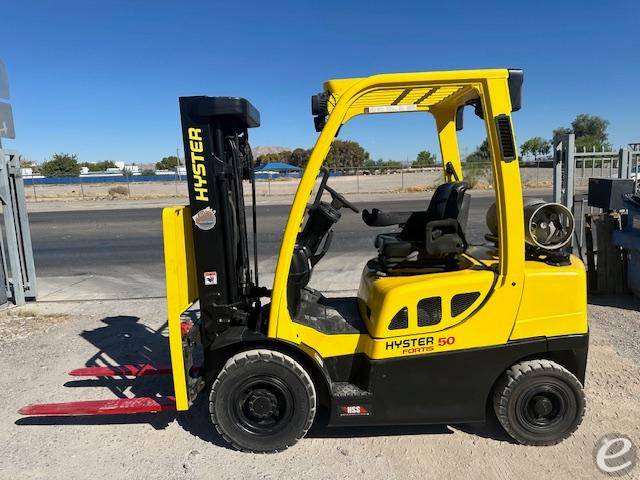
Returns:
<point x="435" y="235"/>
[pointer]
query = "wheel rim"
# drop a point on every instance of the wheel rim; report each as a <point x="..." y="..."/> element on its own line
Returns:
<point x="543" y="408"/>
<point x="262" y="405"/>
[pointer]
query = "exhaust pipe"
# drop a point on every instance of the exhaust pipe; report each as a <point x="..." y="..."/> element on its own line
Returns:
<point x="548" y="226"/>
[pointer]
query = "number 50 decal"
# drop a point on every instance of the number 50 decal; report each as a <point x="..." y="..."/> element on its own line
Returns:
<point x="442" y="341"/>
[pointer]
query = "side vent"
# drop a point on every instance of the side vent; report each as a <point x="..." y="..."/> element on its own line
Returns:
<point x="462" y="301"/>
<point x="400" y="320"/>
<point x="505" y="136"/>
<point x="429" y="311"/>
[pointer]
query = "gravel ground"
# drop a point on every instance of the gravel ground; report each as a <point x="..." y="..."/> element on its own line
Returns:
<point x="33" y="365"/>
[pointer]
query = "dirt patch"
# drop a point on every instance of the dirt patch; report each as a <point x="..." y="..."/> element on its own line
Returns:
<point x="538" y="184"/>
<point x="17" y="324"/>
<point x="416" y="188"/>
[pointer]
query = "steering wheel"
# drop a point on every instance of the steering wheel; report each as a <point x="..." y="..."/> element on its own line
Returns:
<point x="339" y="198"/>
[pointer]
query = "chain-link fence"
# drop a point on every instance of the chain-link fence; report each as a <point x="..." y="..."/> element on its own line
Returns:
<point x="346" y="179"/>
<point x="39" y="189"/>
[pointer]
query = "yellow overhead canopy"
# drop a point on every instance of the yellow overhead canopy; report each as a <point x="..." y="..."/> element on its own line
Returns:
<point x="410" y="92"/>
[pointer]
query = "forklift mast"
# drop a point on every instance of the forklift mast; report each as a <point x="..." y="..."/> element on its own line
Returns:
<point x="218" y="158"/>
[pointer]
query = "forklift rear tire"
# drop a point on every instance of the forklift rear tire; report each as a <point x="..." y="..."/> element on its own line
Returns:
<point x="539" y="402"/>
<point x="262" y="401"/>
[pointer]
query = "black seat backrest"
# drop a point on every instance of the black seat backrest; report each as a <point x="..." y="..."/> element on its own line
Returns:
<point x="449" y="201"/>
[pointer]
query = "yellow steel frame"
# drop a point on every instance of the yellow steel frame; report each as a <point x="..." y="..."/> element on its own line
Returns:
<point x="182" y="288"/>
<point x="439" y="93"/>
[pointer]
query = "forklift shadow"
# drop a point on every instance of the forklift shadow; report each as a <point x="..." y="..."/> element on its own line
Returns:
<point x="490" y="429"/>
<point x="122" y="340"/>
<point x="624" y="301"/>
<point x="320" y="429"/>
<point x="196" y="421"/>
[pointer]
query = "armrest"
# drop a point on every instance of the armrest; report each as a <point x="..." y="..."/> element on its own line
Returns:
<point x="378" y="218"/>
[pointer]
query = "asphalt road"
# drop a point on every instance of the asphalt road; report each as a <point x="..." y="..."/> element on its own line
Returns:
<point x="104" y="242"/>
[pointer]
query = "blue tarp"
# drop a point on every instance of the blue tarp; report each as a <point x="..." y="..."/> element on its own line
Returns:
<point x="278" y="167"/>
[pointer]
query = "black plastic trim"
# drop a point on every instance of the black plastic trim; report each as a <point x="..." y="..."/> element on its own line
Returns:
<point x="505" y="138"/>
<point x="237" y="108"/>
<point x="447" y="387"/>
<point x="515" y="81"/>
<point x="400" y="320"/>
<point x="460" y="118"/>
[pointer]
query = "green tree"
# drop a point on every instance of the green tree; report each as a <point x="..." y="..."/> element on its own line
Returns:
<point x="390" y="163"/>
<point x="590" y="131"/>
<point x="476" y="166"/>
<point x="535" y="147"/>
<point x="61" y="165"/>
<point x="381" y="163"/>
<point x="346" y="153"/>
<point x="586" y="125"/>
<point x="148" y="172"/>
<point x="98" y="166"/>
<point x="343" y="153"/>
<point x="425" y="159"/>
<point x="560" y="132"/>
<point x="480" y="155"/>
<point x="275" y="157"/>
<point x="299" y="157"/>
<point x="168" y="163"/>
<point x="370" y="163"/>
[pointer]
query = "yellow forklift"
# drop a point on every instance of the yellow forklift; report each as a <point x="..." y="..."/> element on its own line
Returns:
<point x="440" y="331"/>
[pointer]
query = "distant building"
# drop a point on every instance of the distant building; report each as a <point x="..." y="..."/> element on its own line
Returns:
<point x="182" y="171"/>
<point x="27" y="172"/>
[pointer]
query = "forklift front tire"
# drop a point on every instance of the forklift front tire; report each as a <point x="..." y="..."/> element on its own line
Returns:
<point x="539" y="402"/>
<point x="262" y="401"/>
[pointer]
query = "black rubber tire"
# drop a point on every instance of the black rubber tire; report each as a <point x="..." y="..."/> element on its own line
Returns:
<point x="280" y="374"/>
<point x="542" y="379"/>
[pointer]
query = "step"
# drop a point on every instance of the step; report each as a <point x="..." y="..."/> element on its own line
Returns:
<point x="347" y="390"/>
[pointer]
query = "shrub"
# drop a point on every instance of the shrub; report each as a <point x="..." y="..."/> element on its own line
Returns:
<point x="476" y="173"/>
<point x="61" y="165"/>
<point x="118" y="191"/>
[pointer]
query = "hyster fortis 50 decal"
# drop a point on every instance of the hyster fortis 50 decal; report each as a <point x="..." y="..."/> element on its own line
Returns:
<point x="197" y="164"/>
<point x="418" y="345"/>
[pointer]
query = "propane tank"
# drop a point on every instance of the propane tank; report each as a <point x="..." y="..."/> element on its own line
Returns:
<point x="548" y="226"/>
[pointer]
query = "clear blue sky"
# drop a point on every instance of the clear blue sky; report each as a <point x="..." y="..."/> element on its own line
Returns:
<point x="102" y="79"/>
